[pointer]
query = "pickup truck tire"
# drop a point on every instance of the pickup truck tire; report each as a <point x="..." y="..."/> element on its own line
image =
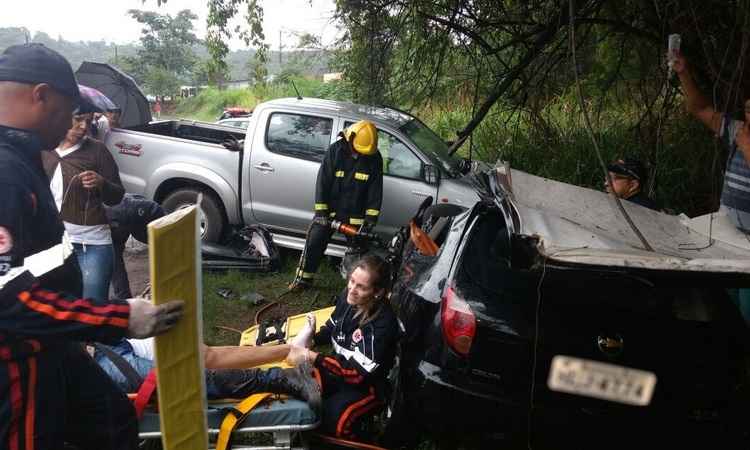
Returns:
<point x="213" y="220"/>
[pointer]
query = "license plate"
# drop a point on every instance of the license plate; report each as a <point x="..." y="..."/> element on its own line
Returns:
<point x="601" y="380"/>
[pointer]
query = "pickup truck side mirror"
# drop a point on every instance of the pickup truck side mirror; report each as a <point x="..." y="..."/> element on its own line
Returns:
<point x="431" y="174"/>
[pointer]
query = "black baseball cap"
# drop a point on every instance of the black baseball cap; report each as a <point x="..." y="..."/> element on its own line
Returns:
<point x="629" y="167"/>
<point x="36" y="64"/>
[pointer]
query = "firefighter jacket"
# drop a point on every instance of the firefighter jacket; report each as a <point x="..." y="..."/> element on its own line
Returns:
<point x="362" y="354"/>
<point x="349" y="187"/>
<point x="39" y="275"/>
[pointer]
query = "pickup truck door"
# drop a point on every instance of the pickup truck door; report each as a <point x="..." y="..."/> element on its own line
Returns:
<point x="286" y="152"/>
<point x="404" y="188"/>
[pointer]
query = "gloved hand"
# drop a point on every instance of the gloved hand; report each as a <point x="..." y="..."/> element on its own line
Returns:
<point x="323" y="221"/>
<point x="298" y="355"/>
<point x="366" y="228"/>
<point x="148" y="320"/>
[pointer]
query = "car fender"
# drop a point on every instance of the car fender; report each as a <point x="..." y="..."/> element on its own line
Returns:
<point x="195" y="174"/>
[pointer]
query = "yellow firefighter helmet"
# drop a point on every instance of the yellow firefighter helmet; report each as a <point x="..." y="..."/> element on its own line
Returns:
<point x="365" y="137"/>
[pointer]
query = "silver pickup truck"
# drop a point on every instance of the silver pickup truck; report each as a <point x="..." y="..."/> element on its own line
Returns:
<point x="267" y="174"/>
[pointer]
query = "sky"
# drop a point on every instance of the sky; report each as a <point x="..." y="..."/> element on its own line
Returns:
<point x="86" y="20"/>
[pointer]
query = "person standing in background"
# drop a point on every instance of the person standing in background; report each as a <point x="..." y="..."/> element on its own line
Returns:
<point x="83" y="178"/>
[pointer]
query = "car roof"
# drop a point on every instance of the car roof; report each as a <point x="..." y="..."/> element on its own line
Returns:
<point x="583" y="226"/>
<point x="377" y="114"/>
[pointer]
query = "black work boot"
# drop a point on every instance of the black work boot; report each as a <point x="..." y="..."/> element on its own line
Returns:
<point x="240" y="383"/>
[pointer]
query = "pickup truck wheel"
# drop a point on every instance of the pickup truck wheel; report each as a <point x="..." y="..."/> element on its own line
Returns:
<point x="212" y="221"/>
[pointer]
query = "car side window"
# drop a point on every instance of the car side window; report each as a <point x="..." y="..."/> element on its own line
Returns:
<point x="298" y="135"/>
<point x="398" y="160"/>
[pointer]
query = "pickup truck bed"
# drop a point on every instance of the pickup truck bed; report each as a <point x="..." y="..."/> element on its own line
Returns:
<point x="194" y="131"/>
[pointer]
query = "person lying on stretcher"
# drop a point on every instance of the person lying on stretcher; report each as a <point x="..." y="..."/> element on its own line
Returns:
<point x="227" y="370"/>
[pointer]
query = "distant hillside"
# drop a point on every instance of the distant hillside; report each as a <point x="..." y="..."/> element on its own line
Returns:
<point x="308" y="63"/>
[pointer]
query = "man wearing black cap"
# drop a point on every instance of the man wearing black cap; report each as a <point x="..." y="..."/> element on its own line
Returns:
<point x="50" y="390"/>
<point x="628" y="177"/>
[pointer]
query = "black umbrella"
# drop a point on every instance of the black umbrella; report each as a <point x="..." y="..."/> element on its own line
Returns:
<point x="120" y="88"/>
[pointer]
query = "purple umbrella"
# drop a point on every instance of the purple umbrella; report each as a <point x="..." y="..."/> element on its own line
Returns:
<point x="94" y="101"/>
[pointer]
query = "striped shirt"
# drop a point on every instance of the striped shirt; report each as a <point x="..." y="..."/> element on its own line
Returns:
<point x="735" y="194"/>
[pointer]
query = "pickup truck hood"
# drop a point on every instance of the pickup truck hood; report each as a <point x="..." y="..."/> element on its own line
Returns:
<point x="583" y="226"/>
<point x="121" y="88"/>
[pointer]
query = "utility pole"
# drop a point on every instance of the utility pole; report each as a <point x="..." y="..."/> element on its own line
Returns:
<point x="115" y="54"/>
<point x="280" y="49"/>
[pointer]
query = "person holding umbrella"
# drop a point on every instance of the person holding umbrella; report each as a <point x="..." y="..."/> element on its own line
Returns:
<point x="107" y="115"/>
<point x="83" y="178"/>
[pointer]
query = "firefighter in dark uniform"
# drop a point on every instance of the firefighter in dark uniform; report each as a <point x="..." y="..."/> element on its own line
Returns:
<point x="51" y="391"/>
<point x="363" y="331"/>
<point x="349" y="189"/>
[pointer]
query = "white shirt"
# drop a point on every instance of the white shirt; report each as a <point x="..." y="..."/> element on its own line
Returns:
<point x="79" y="234"/>
<point x="143" y="348"/>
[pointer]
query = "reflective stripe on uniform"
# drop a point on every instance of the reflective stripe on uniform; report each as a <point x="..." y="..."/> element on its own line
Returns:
<point x="42" y="262"/>
<point x="366" y="363"/>
<point x="372" y="212"/>
<point x="361" y="176"/>
<point x="354" y="221"/>
<point x="304" y="274"/>
<point x="321" y="206"/>
<point x="339" y="174"/>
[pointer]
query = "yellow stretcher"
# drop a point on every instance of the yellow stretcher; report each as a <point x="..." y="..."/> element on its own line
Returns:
<point x="284" y="418"/>
<point x="286" y="329"/>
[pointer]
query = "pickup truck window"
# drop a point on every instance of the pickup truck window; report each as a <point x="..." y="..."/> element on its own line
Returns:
<point x="431" y="146"/>
<point x="398" y="160"/>
<point x="298" y="135"/>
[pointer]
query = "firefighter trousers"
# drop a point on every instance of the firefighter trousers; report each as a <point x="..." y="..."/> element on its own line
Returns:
<point x="318" y="237"/>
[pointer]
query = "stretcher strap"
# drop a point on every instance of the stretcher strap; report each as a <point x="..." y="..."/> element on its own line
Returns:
<point x="236" y="415"/>
<point x="144" y="393"/>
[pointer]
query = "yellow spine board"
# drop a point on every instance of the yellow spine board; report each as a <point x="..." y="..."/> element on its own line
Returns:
<point x="174" y="260"/>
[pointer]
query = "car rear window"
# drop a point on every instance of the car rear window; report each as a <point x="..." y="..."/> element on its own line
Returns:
<point x="298" y="135"/>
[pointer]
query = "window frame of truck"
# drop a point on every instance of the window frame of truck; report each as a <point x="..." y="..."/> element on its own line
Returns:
<point x="271" y="174"/>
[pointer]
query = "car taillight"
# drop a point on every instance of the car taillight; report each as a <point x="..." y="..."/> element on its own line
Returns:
<point x="459" y="322"/>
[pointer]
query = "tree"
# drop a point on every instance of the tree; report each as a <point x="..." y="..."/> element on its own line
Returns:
<point x="220" y="12"/>
<point x="166" y="55"/>
<point x="413" y="52"/>
<point x="161" y="82"/>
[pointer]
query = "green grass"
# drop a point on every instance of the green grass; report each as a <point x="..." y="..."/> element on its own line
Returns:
<point x="209" y="103"/>
<point x="238" y="314"/>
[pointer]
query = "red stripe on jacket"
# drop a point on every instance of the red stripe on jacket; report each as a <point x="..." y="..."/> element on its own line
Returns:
<point x="29" y="299"/>
<point x="54" y="299"/>
<point x="351" y="376"/>
<point x="16" y="399"/>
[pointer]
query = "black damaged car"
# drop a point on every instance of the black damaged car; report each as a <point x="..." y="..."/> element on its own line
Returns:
<point x="543" y="322"/>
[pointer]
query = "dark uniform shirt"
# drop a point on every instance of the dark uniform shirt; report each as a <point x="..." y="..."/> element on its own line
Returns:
<point x="35" y="311"/>
<point x="362" y="355"/>
<point x="349" y="187"/>
<point x="642" y="199"/>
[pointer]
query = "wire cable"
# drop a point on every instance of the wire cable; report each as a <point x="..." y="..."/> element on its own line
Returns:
<point x="590" y="131"/>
